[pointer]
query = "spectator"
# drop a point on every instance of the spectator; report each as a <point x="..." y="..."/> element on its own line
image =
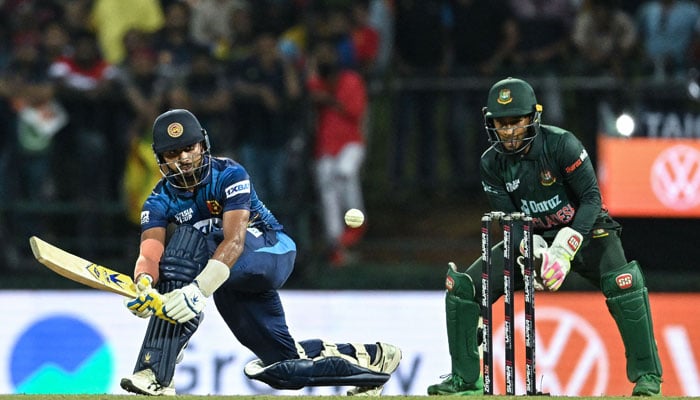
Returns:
<point x="243" y="35"/>
<point x="84" y="82"/>
<point x="266" y="89"/>
<point x="474" y="55"/>
<point x="605" y="38"/>
<point x="38" y="118"/>
<point x="144" y="91"/>
<point x="336" y="28"/>
<point x="85" y="86"/>
<point x="55" y="40"/>
<point x="365" y="38"/>
<point x="381" y="19"/>
<point x="543" y="48"/>
<point x="174" y="43"/>
<point x="210" y="24"/>
<point x="666" y="31"/>
<point x="340" y="100"/>
<point x="203" y="91"/>
<point x="419" y="52"/>
<point x="112" y="19"/>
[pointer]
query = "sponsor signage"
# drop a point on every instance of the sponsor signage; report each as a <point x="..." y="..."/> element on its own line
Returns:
<point x="650" y="177"/>
<point x="52" y="343"/>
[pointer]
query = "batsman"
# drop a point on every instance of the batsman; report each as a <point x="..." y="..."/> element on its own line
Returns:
<point x="545" y="172"/>
<point x="206" y="234"/>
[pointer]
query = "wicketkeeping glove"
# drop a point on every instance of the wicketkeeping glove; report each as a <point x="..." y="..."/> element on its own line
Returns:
<point x="556" y="261"/>
<point x="539" y="245"/>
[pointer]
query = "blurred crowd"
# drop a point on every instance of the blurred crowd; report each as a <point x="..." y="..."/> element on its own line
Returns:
<point x="82" y="80"/>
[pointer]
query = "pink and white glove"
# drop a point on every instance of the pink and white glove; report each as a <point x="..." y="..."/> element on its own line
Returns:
<point x="556" y="261"/>
<point x="539" y="245"/>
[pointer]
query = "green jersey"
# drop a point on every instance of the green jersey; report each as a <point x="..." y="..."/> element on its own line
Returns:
<point x="554" y="183"/>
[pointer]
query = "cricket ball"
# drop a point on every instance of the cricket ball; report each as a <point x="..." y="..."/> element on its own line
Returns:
<point x="354" y="218"/>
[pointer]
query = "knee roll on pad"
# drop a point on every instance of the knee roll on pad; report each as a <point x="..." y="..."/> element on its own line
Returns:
<point x="185" y="256"/>
<point x="628" y="303"/>
<point x="459" y="285"/>
<point x="623" y="280"/>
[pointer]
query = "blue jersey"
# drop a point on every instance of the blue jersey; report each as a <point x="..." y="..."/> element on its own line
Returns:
<point x="227" y="187"/>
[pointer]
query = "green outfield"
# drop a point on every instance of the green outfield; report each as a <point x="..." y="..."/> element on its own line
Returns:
<point x="261" y="397"/>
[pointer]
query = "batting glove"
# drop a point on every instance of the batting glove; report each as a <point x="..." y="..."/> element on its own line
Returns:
<point x="148" y="300"/>
<point x="185" y="303"/>
<point x="181" y="305"/>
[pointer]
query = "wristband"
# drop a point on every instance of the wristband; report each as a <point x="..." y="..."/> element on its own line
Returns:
<point x="214" y="274"/>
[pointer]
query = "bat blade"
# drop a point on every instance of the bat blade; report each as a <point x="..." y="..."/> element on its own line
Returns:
<point x="80" y="270"/>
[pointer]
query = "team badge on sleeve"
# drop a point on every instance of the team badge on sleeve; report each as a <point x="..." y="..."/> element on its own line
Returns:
<point x="145" y="217"/>
<point x="238" y="188"/>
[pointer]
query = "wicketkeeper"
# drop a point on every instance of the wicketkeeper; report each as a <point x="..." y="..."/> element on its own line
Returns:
<point x="205" y="233"/>
<point x="545" y="172"/>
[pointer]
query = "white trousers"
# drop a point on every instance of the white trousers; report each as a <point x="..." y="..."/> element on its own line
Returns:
<point x="339" y="187"/>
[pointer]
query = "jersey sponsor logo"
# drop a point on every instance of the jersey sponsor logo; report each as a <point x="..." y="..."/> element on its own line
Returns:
<point x="561" y="217"/>
<point x="531" y="207"/>
<point x="184" y="216"/>
<point x="175" y="130"/>
<point x="675" y="177"/>
<point x="214" y="207"/>
<point x="145" y="217"/>
<point x="238" y="188"/>
<point x="579" y="161"/>
<point x="504" y="96"/>
<point x="624" y="281"/>
<point x="546" y="178"/>
<point x="512" y="186"/>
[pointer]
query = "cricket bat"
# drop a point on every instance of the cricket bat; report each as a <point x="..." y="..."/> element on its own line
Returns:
<point x="80" y="270"/>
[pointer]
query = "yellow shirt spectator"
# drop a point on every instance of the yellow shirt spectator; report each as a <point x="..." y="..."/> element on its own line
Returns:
<point x="113" y="18"/>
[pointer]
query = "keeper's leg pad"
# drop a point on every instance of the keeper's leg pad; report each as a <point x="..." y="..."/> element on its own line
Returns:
<point x="462" y="317"/>
<point x="184" y="257"/>
<point x="628" y="303"/>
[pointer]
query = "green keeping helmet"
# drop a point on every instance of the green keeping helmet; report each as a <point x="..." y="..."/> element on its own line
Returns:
<point x="510" y="97"/>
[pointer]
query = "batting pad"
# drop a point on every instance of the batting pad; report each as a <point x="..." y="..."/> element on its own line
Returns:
<point x="326" y="371"/>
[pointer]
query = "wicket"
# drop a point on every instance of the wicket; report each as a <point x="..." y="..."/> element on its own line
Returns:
<point x="509" y="271"/>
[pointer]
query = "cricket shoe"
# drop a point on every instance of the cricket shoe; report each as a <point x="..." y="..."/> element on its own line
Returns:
<point x="647" y="385"/>
<point x="388" y="359"/>
<point x="145" y="382"/>
<point x="454" y="385"/>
